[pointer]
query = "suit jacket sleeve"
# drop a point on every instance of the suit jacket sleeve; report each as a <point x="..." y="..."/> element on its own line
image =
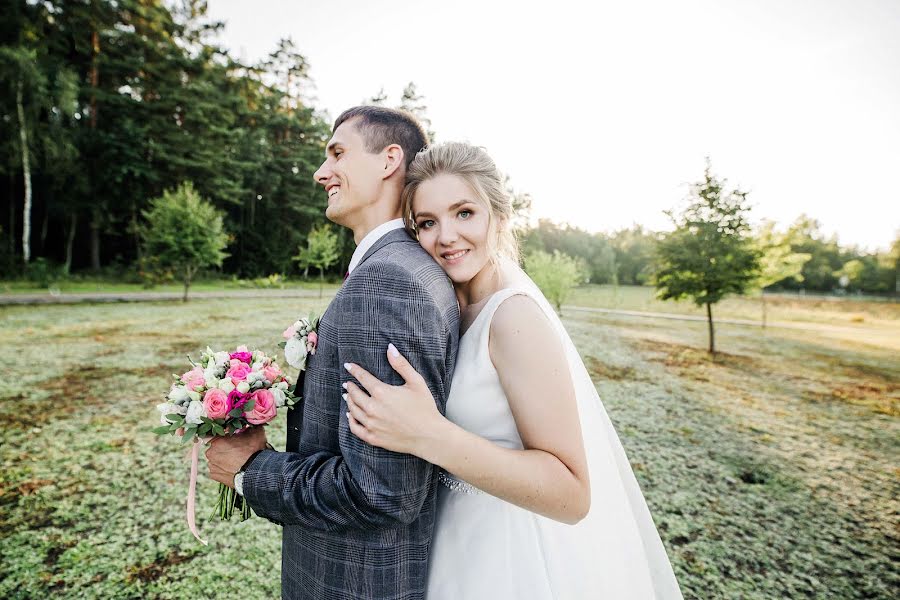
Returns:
<point x="363" y="486"/>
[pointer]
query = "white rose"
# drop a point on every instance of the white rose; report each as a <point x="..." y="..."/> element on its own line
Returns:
<point x="195" y="396"/>
<point x="194" y="412"/>
<point x="254" y="376"/>
<point x="211" y="374"/>
<point x="258" y="366"/>
<point x="225" y="385"/>
<point x="295" y="353"/>
<point x="281" y="385"/>
<point x="179" y="394"/>
<point x="222" y="358"/>
<point x="243" y="387"/>
<point x="167" y="408"/>
<point x="279" y="396"/>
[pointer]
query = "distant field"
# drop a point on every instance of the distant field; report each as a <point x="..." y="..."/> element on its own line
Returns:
<point x="771" y="471"/>
<point x="867" y="321"/>
<point x="787" y="308"/>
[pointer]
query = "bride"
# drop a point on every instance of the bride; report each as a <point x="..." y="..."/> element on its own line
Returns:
<point x="538" y="499"/>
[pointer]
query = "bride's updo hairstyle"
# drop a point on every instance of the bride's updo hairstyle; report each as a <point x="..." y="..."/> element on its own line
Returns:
<point x="474" y="165"/>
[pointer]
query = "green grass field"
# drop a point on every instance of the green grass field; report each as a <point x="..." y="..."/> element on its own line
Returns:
<point x="771" y="471"/>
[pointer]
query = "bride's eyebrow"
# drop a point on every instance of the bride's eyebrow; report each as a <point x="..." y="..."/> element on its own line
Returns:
<point x="462" y="202"/>
<point x="452" y="207"/>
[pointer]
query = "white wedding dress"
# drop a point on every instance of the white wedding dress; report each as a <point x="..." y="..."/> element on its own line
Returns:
<point x="486" y="548"/>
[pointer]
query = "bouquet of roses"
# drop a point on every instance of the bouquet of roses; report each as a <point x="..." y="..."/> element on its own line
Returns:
<point x="224" y="394"/>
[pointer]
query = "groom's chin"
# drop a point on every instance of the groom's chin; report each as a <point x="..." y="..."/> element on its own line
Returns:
<point x="333" y="214"/>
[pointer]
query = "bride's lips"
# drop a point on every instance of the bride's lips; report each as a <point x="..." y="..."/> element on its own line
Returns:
<point x="453" y="257"/>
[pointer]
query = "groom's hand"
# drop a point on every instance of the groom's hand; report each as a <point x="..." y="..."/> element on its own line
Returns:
<point x="226" y="455"/>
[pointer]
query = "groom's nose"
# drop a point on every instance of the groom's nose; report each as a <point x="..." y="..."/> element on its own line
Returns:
<point x="322" y="174"/>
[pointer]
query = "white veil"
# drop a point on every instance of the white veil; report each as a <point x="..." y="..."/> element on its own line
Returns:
<point x="618" y="545"/>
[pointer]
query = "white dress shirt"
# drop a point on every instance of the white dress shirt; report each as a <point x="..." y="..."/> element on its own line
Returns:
<point x="370" y="239"/>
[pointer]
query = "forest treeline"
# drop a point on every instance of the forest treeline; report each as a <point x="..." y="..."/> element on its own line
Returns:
<point x="105" y="105"/>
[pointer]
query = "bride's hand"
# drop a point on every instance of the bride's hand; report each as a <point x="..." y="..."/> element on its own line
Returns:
<point x="399" y="418"/>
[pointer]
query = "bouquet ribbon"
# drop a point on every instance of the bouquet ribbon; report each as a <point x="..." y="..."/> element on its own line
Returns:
<point x="192" y="490"/>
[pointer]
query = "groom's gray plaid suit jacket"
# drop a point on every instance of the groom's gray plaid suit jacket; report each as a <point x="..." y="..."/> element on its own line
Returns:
<point x="358" y="520"/>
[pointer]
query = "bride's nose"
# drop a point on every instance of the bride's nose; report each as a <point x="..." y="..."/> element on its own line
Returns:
<point x="448" y="235"/>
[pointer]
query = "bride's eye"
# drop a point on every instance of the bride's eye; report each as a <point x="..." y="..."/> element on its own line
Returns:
<point x="427" y="224"/>
<point x="465" y="214"/>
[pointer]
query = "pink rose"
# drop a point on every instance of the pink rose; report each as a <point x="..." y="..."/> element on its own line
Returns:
<point x="236" y="399"/>
<point x="216" y="403"/>
<point x="234" y="362"/>
<point x="272" y="373"/>
<point x="241" y="348"/>
<point x="244" y="357"/>
<point x="264" y="410"/>
<point x="194" y="378"/>
<point x="289" y="332"/>
<point x="238" y="372"/>
<point x="312" y="340"/>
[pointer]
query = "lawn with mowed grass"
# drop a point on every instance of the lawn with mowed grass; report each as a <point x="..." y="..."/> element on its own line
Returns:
<point x="771" y="470"/>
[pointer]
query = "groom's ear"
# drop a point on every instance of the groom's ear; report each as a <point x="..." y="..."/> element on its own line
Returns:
<point x="393" y="160"/>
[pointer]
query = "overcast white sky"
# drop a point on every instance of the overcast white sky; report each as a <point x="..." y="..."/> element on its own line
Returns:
<point x="604" y="110"/>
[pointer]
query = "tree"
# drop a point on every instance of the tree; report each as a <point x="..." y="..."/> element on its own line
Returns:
<point x="414" y="103"/>
<point x="521" y="205"/>
<point x="806" y="237"/>
<point x="19" y="66"/>
<point x="184" y="232"/>
<point x="593" y="249"/>
<point x="322" y="250"/>
<point x="851" y="274"/>
<point x="777" y="262"/>
<point x="556" y="274"/>
<point x="891" y="263"/>
<point x="634" y="254"/>
<point x="379" y="99"/>
<point x="710" y="253"/>
<point x="410" y="101"/>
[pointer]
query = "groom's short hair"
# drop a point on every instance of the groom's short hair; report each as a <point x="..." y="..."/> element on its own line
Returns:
<point x="380" y="127"/>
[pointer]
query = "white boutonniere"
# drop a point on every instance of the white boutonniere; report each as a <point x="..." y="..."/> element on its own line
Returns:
<point x="301" y="340"/>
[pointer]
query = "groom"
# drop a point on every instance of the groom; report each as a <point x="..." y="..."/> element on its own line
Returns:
<point x="357" y="520"/>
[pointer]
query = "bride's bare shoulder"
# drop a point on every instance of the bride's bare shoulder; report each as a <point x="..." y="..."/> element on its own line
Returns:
<point x="519" y="320"/>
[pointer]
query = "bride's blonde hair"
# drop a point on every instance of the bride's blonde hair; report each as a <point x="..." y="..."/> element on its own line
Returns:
<point x="474" y="165"/>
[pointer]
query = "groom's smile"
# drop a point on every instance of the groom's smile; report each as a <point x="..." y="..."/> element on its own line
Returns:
<point x="351" y="175"/>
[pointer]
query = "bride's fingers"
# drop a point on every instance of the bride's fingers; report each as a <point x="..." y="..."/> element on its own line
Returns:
<point x="402" y="366"/>
<point x="357" y="429"/>
<point x="368" y="381"/>
<point x="353" y="408"/>
<point x="360" y="398"/>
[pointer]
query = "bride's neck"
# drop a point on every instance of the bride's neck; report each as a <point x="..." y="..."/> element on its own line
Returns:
<point x="487" y="281"/>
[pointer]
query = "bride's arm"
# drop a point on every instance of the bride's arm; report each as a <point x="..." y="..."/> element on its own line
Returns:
<point x="550" y="475"/>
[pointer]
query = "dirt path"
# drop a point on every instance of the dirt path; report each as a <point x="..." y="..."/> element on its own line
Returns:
<point x="718" y="320"/>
